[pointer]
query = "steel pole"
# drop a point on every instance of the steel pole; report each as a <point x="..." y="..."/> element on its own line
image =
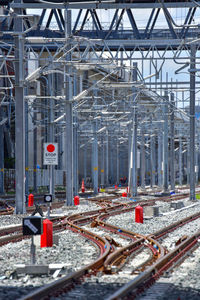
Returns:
<point x="107" y="160"/>
<point x="75" y="142"/>
<point x="95" y="158"/>
<point x="85" y="162"/>
<point x="180" y="162"/>
<point x="160" y="160"/>
<point x="26" y="151"/>
<point x="51" y="134"/>
<point x="68" y="118"/>
<point x="153" y="169"/>
<point x="134" y="141"/>
<point x="142" y="159"/>
<point x="165" y="143"/>
<point x="192" y="121"/>
<point x="117" y="166"/>
<point x="19" y="114"/>
<point x="172" y="153"/>
<point x="35" y="153"/>
<point x="102" y="163"/>
<point x="1" y="154"/>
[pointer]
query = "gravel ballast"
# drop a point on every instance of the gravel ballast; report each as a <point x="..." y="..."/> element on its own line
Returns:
<point x="74" y="251"/>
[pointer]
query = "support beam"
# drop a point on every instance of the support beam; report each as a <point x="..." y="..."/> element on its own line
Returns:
<point x="160" y="157"/>
<point x="165" y="144"/>
<point x="19" y="114"/>
<point x="117" y="161"/>
<point x="102" y="163"/>
<point x="152" y="155"/>
<point x="188" y="161"/>
<point x="172" y="153"/>
<point x="75" y="142"/>
<point x="51" y="81"/>
<point x="107" y="160"/>
<point x="192" y="121"/>
<point x="133" y="190"/>
<point x="1" y="154"/>
<point x="68" y="116"/>
<point x="34" y="147"/>
<point x="143" y="158"/>
<point x="85" y="161"/>
<point x="95" y="158"/>
<point x="26" y="151"/>
<point x="180" y="162"/>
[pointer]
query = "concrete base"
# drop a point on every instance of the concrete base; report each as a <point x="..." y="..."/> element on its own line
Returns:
<point x="38" y="269"/>
<point x="163" y="194"/>
<point x="151" y="211"/>
<point x="177" y="205"/>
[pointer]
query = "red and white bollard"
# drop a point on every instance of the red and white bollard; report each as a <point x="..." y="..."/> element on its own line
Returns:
<point x="47" y="236"/>
<point x="139" y="214"/>
<point x="124" y="194"/>
<point x="30" y="200"/>
<point x="76" y="200"/>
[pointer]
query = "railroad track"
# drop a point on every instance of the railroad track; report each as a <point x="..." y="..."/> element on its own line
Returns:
<point x="117" y="257"/>
<point x="101" y="201"/>
<point x="149" y="276"/>
<point x="9" y="210"/>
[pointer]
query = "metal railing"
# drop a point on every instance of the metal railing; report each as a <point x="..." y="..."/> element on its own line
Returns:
<point x="42" y="176"/>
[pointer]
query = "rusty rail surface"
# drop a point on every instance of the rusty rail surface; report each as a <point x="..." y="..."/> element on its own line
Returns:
<point x="106" y="248"/>
<point x="148" y="277"/>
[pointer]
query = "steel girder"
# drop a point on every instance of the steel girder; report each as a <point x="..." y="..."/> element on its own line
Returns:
<point x="88" y="23"/>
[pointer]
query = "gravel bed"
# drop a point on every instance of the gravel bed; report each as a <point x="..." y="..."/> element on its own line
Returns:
<point x="75" y="252"/>
<point x="184" y="282"/>
<point x="7" y="220"/>
<point x="101" y="286"/>
<point x="151" y="225"/>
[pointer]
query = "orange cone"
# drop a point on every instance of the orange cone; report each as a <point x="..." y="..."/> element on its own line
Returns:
<point x="83" y="186"/>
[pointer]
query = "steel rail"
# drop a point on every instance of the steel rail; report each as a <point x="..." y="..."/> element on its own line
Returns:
<point x="148" y="277"/>
<point x="63" y="284"/>
<point x="157" y="249"/>
<point x="71" y="223"/>
<point x="172" y="227"/>
<point x="151" y="240"/>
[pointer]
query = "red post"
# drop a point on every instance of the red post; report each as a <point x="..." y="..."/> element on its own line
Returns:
<point x="76" y="200"/>
<point x="47" y="236"/>
<point x="124" y="194"/>
<point x="116" y="186"/>
<point x="139" y="214"/>
<point x="83" y="187"/>
<point x="30" y="200"/>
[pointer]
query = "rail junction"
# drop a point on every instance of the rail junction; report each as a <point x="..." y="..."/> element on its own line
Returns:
<point x="99" y="119"/>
